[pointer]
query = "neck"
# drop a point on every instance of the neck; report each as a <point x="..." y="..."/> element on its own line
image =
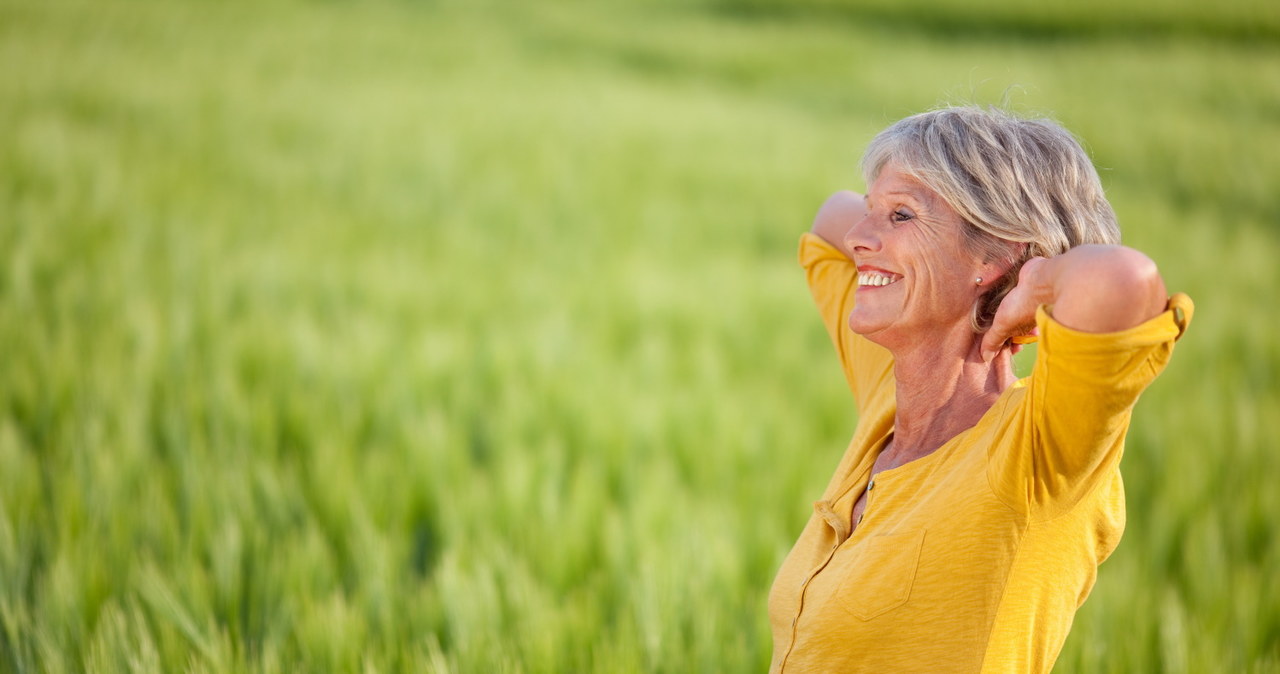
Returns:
<point x="943" y="390"/>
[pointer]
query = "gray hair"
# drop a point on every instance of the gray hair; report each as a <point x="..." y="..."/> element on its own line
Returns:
<point x="1023" y="187"/>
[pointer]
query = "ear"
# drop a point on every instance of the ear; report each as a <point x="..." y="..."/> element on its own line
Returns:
<point x="1011" y="259"/>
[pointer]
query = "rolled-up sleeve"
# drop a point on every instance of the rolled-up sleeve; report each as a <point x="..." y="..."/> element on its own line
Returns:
<point x="1079" y="399"/>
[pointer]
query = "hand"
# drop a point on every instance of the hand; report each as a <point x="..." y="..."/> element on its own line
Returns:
<point x="1093" y="288"/>
<point x="1017" y="313"/>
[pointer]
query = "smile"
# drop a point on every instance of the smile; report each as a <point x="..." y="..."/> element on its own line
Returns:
<point x="871" y="278"/>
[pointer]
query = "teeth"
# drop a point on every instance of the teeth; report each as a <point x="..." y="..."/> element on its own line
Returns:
<point x="870" y="278"/>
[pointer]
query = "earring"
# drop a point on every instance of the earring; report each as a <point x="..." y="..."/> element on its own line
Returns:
<point x="977" y="281"/>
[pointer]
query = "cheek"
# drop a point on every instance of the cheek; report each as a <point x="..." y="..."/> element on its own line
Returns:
<point x="942" y="276"/>
<point x="935" y="265"/>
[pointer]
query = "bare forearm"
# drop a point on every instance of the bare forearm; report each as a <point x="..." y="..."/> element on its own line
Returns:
<point x="1099" y="288"/>
<point x="1092" y="288"/>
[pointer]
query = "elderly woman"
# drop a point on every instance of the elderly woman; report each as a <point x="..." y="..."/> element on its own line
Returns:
<point x="966" y="521"/>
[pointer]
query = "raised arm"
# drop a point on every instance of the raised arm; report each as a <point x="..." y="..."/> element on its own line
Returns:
<point x="832" y="281"/>
<point x="837" y="215"/>
<point x="1092" y="288"/>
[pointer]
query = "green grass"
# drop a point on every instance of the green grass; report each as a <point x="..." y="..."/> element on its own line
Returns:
<point x="468" y="336"/>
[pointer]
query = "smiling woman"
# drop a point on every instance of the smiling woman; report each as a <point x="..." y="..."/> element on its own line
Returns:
<point x="966" y="521"/>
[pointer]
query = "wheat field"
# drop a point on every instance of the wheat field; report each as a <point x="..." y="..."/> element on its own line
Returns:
<point x="468" y="336"/>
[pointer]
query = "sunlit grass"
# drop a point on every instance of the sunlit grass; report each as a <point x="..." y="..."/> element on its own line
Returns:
<point x="401" y="336"/>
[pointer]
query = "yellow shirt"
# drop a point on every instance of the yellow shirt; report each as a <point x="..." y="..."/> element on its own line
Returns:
<point x="973" y="558"/>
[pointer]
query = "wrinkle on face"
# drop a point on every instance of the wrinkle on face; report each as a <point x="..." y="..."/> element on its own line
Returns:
<point x="937" y="289"/>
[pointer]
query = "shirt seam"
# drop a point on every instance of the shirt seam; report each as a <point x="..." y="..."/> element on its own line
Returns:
<point x="1001" y="497"/>
<point x="1004" y="594"/>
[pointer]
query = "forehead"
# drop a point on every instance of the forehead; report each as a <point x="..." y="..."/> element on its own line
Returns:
<point x="893" y="183"/>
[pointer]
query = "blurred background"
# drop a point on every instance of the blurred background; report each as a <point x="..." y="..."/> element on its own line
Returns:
<point x="468" y="336"/>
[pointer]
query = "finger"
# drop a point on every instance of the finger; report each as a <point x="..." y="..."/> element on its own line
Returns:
<point x="1003" y="333"/>
<point x="992" y="342"/>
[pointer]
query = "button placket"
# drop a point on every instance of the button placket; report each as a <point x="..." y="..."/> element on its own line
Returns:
<point x="840" y="531"/>
<point x="871" y="484"/>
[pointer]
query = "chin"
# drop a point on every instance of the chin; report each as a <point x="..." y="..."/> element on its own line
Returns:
<point x="861" y="325"/>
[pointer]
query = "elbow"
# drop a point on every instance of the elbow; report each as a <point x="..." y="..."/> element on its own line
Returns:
<point x="1109" y="288"/>
<point x="837" y="214"/>
<point x="1133" y="280"/>
<point x="1139" y="273"/>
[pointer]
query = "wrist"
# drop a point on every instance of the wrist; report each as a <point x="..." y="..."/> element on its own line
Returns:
<point x="1039" y="277"/>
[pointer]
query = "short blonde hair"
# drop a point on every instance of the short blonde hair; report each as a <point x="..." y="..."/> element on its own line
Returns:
<point x="1023" y="187"/>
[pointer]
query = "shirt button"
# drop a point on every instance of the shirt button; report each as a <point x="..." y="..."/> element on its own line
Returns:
<point x="871" y="484"/>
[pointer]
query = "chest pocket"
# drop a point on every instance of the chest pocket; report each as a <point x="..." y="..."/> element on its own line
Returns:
<point x="881" y="578"/>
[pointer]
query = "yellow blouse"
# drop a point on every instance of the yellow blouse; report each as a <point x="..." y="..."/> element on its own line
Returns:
<point x="973" y="558"/>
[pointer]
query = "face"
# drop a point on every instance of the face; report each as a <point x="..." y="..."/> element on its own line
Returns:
<point x="915" y="276"/>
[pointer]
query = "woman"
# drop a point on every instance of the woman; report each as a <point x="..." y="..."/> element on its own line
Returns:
<point x="966" y="521"/>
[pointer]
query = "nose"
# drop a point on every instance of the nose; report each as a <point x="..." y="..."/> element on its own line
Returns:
<point x="861" y="236"/>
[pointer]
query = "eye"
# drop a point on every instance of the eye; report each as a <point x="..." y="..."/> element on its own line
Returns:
<point x="901" y="215"/>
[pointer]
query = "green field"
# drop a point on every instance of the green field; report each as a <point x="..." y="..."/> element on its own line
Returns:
<point x="468" y="336"/>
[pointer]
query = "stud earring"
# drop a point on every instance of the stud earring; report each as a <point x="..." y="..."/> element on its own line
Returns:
<point x="977" y="281"/>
